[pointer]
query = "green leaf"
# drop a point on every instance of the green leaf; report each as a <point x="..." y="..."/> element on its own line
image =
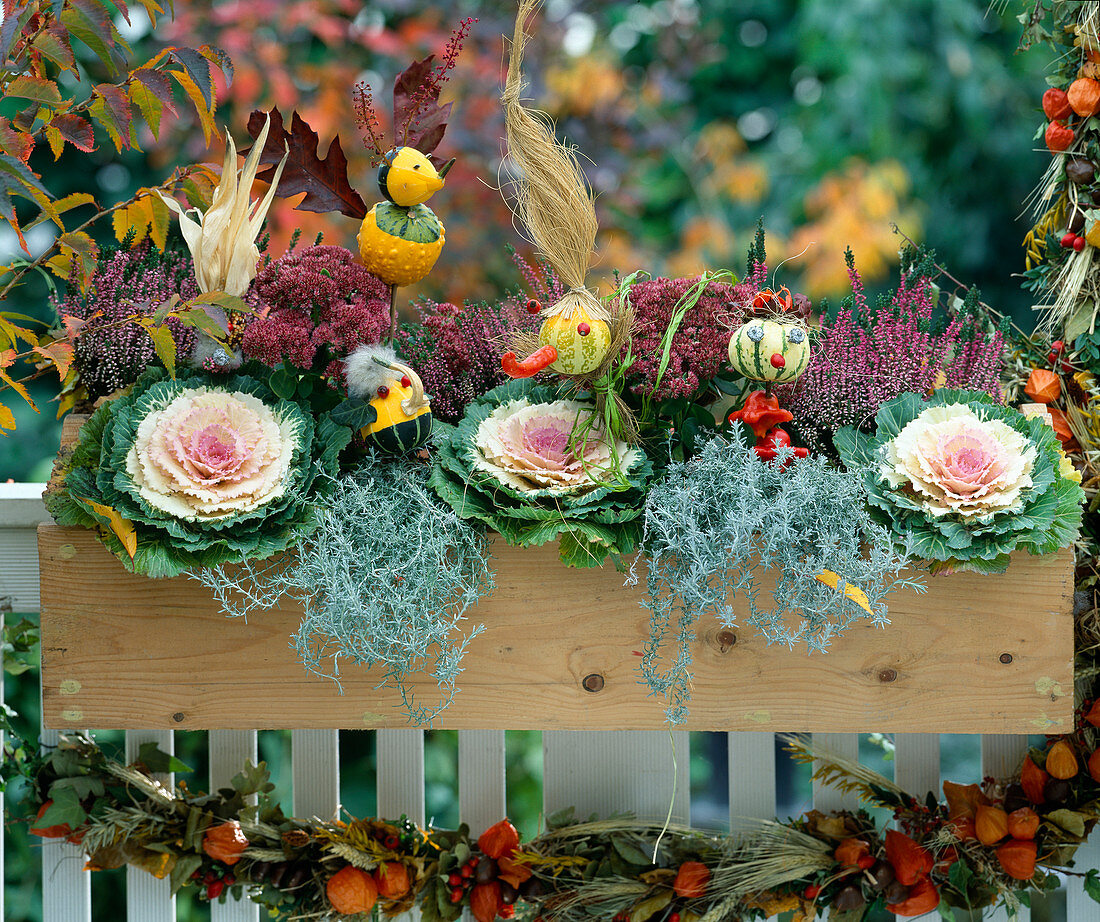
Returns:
<point x="1092" y="884"/>
<point x="252" y="779"/>
<point x="165" y="346"/>
<point x="90" y="24"/>
<point x="159" y="762"/>
<point x="284" y="383"/>
<point x="946" y="912"/>
<point x="1069" y="820"/>
<point x="65" y="809"/>
<point x="185" y="866"/>
<point x="630" y="852"/>
<point x="960" y="875"/>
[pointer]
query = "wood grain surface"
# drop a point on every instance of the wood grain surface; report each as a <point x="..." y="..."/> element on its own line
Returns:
<point x="975" y="654"/>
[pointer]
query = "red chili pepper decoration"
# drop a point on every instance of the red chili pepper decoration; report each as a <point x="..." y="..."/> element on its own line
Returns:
<point x="763" y="415"/>
<point x="537" y="361"/>
<point x="773" y="300"/>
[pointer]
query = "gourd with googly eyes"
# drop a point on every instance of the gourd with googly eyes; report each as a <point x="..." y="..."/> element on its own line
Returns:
<point x="770" y="350"/>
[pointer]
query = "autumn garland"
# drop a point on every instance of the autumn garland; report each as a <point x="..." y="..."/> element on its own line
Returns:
<point x="993" y="843"/>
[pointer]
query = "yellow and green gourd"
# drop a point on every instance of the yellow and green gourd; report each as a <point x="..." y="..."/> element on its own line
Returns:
<point x="407" y="177"/>
<point x="770" y="350"/>
<point x="398" y="244"/>
<point x="404" y="419"/>
<point x="581" y="337"/>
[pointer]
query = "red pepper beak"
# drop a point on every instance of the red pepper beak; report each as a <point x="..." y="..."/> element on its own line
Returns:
<point x="778" y="361"/>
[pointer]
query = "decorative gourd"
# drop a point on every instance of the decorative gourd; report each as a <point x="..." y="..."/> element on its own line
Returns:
<point x="404" y="419"/>
<point x="770" y="350"/>
<point x="407" y="177"/>
<point x="400" y="245"/>
<point x="581" y="338"/>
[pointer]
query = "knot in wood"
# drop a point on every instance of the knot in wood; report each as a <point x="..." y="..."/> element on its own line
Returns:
<point x="726" y="639"/>
<point x="178" y="717"/>
<point x="1006" y="658"/>
<point x="593" y="682"/>
<point x="887" y="675"/>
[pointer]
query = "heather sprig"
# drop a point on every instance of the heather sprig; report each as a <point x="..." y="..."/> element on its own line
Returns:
<point x="865" y="357"/>
<point x="111" y="353"/>
<point x="456" y="349"/>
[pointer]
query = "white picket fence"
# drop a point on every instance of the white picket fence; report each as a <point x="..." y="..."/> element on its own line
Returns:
<point x="598" y="772"/>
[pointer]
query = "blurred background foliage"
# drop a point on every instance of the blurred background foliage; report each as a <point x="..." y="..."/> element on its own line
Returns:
<point x="831" y="120"/>
<point x="697" y="117"/>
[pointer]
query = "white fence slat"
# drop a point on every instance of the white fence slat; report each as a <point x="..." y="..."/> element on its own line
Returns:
<point x="66" y="886"/>
<point x="839" y="744"/>
<point x="3" y="832"/>
<point x="21" y="510"/>
<point x="917" y="763"/>
<point x="229" y="750"/>
<point x="401" y="774"/>
<point x="149" y="899"/>
<point x="751" y="779"/>
<point x="605" y="772"/>
<point x="481" y="795"/>
<point x="1080" y="907"/>
<point x="315" y="773"/>
<point x="1001" y="757"/>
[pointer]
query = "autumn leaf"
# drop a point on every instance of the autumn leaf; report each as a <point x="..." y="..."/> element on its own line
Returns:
<point x="324" y="181"/>
<point x="53" y="43"/>
<point x="111" y="108"/>
<point x="59" y="354"/>
<point x="419" y="121"/>
<point x="151" y="92"/>
<point x="76" y="130"/>
<point x="198" y="69"/>
<point x="36" y="89"/>
<point x="89" y="22"/>
<point x="123" y="528"/>
<point x="7" y="418"/>
<point x="14" y="142"/>
<point x="205" y="113"/>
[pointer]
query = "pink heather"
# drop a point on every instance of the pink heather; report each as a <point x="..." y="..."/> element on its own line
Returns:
<point x="314" y="307"/>
<point x="457" y="349"/>
<point x="863" y="361"/>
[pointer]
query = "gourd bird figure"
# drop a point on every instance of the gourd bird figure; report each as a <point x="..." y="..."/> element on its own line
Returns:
<point x="401" y="238"/>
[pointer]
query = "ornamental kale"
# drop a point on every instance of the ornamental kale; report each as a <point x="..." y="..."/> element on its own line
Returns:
<point x="188" y="473"/>
<point x="963" y="482"/>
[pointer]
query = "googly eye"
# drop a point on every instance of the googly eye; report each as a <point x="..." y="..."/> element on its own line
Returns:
<point x="755" y="333"/>
<point x="796" y="335"/>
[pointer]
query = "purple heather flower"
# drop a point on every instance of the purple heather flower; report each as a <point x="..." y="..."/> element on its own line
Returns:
<point x="127" y="282"/>
<point x="314" y="306"/>
<point x="864" y="359"/>
<point x="456" y="350"/>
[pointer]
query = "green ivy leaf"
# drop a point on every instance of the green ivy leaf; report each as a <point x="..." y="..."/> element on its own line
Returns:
<point x="355" y="413"/>
<point x="156" y="760"/>
<point x="1092" y="884"/>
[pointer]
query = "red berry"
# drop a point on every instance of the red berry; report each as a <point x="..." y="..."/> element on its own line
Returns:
<point x="811" y="892"/>
<point x="391" y="841"/>
<point x="777" y="360"/>
<point x="675" y="917"/>
<point x="454" y="880"/>
<point x="466" y="871"/>
<point x="406" y="381"/>
<point x="1052" y="356"/>
<point x="456" y="895"/>
<point x="1067" y="366"/>
<point x="472" y="863"/>
<point x="1079" y="244"/>
<point x="1057" y="345"/>
<point x="1067" y="240"/>
<point x="533" y="306"/>
<point x="214" y="890"/>
<point x="229" y="880"/>
<point x="384" y="391"/>
<point x="507" y="912"/>
<point x="209" y="877"/>
<point x="584" y="329"/>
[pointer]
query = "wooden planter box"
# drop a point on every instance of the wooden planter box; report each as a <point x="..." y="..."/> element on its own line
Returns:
<point x="975" y="654"/>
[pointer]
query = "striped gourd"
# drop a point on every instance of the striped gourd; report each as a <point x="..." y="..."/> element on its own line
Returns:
<point x="768" y="350"/>
<point x="400" y="245"/>
<point x="404" y="419"/>
<point x="582" y="341"/>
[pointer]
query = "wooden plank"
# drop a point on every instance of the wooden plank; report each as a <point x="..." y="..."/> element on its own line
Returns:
<point x="149" y="899"/>
<point x="827" y="797"/>
<point x="1001" y="757"/>
<point x="66" y="887"/>
<point x="315" y="773"/>
<point x="751" y="779"/>
<point x="401" y="774"/>
<point x="481" y="791"/>
<point x="229" y="750"/>
<point x="126" y="651"/>
<point x="634" y="771"/>
<point x="21" y="512"/>
<point x="917" y="763"/>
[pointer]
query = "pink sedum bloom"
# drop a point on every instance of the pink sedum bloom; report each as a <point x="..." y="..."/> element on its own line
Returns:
<point x="527" y="447"/>
<point x="958" y="463"/>
<point x="210" y="453"/>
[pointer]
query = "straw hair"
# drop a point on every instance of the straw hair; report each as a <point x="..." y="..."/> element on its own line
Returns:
<point x="552" y="198"/>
